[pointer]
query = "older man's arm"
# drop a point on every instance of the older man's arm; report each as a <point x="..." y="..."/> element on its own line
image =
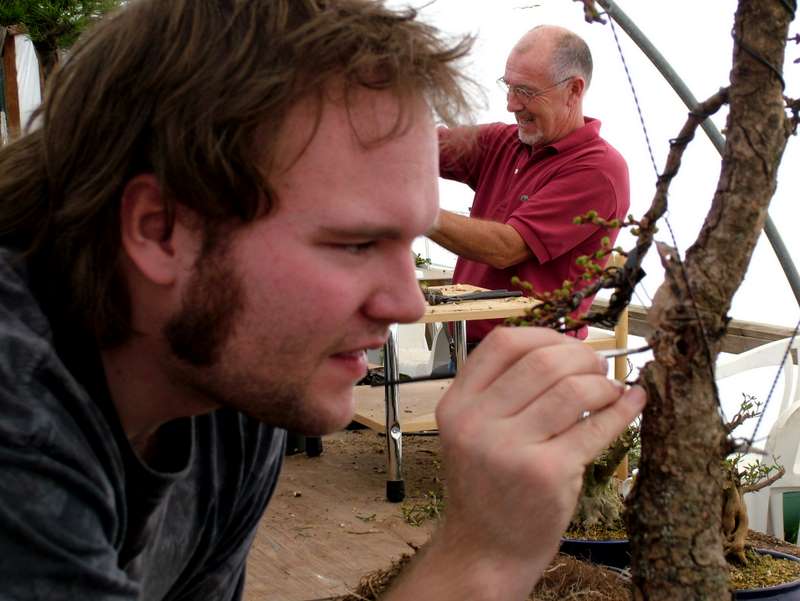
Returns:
<point x="496" y="244"/>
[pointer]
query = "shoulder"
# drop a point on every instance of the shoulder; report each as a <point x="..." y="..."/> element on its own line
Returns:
<point x="601" y="151"/>
<point x="502" y="133"/>
<point x="611" y="156"/>
<point x="483" y="134"/>
<point x="25" y="336"/>
<point x="45" y="409"/>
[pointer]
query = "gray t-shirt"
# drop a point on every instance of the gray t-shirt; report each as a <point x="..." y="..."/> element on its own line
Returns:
<point x="81" y="517"/>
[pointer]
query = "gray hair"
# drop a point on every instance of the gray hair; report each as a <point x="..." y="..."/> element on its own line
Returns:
<point x="570" y="57"/>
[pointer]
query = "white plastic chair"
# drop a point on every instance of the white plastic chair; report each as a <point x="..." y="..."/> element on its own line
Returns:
<point x="415" y="358"/>
<point x="766" y="355"/>
<point x="440" y="348"/>
<point x="413" y="354"/>
<point x="765" y="507"/>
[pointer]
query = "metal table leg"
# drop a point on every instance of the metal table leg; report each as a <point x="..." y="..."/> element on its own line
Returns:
<point x="395" y="485"/>
<point x="460" y="343"/>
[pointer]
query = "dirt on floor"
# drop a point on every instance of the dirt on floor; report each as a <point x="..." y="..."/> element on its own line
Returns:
<point x="329" y="532"/>
<point x="329" y="523"/>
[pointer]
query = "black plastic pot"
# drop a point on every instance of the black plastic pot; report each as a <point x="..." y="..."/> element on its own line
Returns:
<point x="783" y="592"/>
<point x="616" y="554"/>
<point x="612" y="553"/>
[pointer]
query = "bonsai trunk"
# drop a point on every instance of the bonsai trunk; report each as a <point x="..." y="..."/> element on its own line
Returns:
<point x="600" y="504"/>
<point x="675" y="518"/>
<point x="734" y="518"/>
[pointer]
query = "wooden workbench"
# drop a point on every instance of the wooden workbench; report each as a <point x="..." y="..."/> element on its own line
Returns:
<point x="418" y="408"/>
<point x="496" y="308"/>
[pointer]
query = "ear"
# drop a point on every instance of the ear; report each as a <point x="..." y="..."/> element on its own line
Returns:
<point x="577" y="86"/>
<point x="145" y="234"/>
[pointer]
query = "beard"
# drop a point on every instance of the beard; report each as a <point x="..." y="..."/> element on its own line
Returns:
<point x="209" y="309"/>
<point x="203" y="360"/>
<point x="531" y="139"/>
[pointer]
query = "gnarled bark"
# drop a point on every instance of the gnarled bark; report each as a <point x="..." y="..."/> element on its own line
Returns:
<point x="600" y="504"/>
<point x="675" y="516"/>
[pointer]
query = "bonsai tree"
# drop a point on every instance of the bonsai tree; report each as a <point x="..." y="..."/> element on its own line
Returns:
<point x="739" y="478"/>
<point x="675" y="521"/>
<point x="600" y="505"/>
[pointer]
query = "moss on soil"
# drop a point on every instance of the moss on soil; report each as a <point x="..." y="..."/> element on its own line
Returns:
<point x="763" y="571"/>
<point x="618" y="532"/>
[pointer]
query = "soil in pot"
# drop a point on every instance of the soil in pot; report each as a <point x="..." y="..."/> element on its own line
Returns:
<point x="769" y="576"/>
<point x="604" y="546"/>
<point x="766" y="568"/>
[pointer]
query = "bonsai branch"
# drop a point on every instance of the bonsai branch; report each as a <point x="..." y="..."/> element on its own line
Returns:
<point x="557" y="306"/>
<point x="749" y="408"/>
<point x="779" y="473"/>
<point x="590" y="12"/>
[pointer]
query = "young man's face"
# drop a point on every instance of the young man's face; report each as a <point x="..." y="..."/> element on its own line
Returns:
<point x="305" y="290"/>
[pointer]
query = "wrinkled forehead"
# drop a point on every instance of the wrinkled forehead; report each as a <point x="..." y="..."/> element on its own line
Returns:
<point x="528" y="68"/>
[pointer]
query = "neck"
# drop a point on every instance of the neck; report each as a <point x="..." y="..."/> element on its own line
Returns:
<point x="144" y="393"/>
<point x="570" y="126"/>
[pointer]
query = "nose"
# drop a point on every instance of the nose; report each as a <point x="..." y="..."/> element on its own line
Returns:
<point x="513" y="105"/>
<point x="399" y="298"/>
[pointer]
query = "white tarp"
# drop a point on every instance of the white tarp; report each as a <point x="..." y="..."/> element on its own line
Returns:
<point x="30" y="93"/>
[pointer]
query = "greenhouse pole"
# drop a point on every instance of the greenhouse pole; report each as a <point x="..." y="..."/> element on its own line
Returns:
<point x="674" y="80"/>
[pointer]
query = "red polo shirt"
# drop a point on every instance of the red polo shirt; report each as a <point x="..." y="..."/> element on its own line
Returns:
<point x="538" y="192"/>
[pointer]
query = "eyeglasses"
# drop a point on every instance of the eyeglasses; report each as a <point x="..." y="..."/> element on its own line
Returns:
<point x="525" y="95"/>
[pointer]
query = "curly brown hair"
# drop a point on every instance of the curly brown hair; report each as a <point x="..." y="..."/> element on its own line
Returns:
<point x="180" y="89"/>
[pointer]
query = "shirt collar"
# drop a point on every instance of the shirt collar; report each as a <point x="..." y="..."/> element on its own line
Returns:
<point x="589" y="131"/>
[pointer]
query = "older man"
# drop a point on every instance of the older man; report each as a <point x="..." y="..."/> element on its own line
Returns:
<point x="210" y="225"/>
<point x="533" y="178"/>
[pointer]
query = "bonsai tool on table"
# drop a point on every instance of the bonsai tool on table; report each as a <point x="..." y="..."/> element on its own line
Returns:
<point x="435" y="297"/>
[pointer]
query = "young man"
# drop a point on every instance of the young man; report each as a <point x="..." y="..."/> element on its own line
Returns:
<point x="532" y="178"/>
<point x="208" y="226"/>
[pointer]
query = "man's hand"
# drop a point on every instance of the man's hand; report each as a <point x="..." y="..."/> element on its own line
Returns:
<point x="514" y="448"/>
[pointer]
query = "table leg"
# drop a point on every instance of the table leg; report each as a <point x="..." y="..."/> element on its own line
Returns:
<point x="460" y="343"/>
<point x="395" y="485"/>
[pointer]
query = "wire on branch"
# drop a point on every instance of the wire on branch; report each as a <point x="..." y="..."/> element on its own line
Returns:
<point x="555" y="307"/>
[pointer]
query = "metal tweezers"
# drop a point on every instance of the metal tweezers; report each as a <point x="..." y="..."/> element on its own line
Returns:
<point x="618" y="352"/>
<point x="623" y="352"/>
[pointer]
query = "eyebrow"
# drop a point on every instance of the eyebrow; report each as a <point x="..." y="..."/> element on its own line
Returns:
<point x="516" y="85"/>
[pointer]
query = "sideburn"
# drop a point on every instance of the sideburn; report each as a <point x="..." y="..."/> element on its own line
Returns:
<point x="209" y="309"/>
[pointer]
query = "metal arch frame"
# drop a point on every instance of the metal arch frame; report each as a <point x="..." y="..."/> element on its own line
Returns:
<point x="674" y="80"/>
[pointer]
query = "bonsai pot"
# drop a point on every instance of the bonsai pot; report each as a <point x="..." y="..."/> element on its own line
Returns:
<point x="616" y="554"/>
<point x="789" y="591"/>
<point x="611" y="553"/>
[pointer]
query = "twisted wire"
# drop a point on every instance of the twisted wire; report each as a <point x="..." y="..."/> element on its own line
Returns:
<point x="706" y="345"/>
<point x="774" y="383"/>
<point x="791" y="7"/>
